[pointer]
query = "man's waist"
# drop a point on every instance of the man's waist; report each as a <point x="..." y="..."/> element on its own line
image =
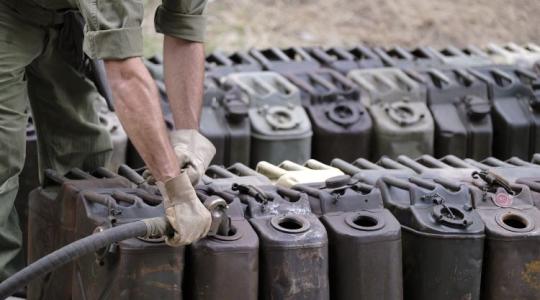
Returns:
<point x="40" y="13"/>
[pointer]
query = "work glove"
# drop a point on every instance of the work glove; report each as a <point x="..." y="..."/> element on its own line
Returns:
<point x="187" y="215"/>
<point x="194" y="152"/>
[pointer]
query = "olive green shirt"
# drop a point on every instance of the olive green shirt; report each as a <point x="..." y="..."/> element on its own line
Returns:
<point x="113" y="27"/>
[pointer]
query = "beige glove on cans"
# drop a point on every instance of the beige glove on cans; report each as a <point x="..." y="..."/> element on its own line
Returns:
<point x="194" y="152"/>
<point x="188" y="216"/>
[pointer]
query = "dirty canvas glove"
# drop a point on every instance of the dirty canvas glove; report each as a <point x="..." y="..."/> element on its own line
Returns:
<point x="194" y="152"/>
<point x="188" y="216"/>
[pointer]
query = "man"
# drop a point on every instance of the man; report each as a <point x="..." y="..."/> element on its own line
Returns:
<point x="34" y="69"/>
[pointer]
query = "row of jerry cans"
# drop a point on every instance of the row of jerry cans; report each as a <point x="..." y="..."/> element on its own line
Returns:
<point x="467" y="232"/>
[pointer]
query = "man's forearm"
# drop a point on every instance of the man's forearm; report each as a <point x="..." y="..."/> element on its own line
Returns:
<point x="139" y="110"/>
<point x="184" y="77"/>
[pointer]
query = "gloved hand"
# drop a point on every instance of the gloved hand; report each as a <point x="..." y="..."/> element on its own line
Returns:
<point x="187" y="215"/>
<point x="194" y="152"/>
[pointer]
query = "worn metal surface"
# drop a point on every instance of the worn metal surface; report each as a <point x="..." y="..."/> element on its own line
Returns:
<point x="364" y="239"/>
<point x="341" y="124"/>
<point x="402" y="122"/>
<point x="461" y="110"/>
<point x="442" y="236"/>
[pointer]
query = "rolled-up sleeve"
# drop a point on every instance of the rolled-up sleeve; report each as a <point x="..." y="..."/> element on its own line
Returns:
<point x="113" y="28"/>
<point x="183" y="19"/>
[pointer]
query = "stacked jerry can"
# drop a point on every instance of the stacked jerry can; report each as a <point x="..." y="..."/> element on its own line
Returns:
<point x="398" y="57"/>
<point x="289" y="174"/>
<point x="461" y="109"/>
<point x="76" y="205"/>
<point x="512" y="54"/>
<point x="462" y="58"/>
<point x="442" y="237"/>
<point x="225" y="122"/>
<point x="345" y="60"/>
<point x="280" y="127"/>
<point x="402" y="122"/>
<point x="284" y="61"/>
<point x="341" y="124"/>
<point x="514" y="113"/>
<point x="218" y="64"/>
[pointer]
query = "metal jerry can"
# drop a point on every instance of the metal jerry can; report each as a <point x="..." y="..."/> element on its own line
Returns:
<point x="460" y="106"/>
<point x="293" y="255"/>
<point x="345" y="60"/>
<point x="463" y="58"/>
<point x="219" y="64"/>
<point x="288" y="173"/>
<point x="283" y="61"/>
<point x="398" y="57"/>
<point x="442" y="237"/>
<point x="511" y="259"/>
<point x="340" y="122"/>
<point x="402" y="122"/>
<point x="515" y="122"/>
<point x="225" y="122"/>
<point x="280" y="127"/>
<point x="136" y="268"/>
<point x="364" y="239"/>
<point x="51" y="211"/>
<point x="428" y="166"/>
<point x="525" y="56"/>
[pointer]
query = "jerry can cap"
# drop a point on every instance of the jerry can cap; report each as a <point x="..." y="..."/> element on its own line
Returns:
<point x="403" y="113"/>
<point x="477" y="108"/>
<point x="343" y="113"/>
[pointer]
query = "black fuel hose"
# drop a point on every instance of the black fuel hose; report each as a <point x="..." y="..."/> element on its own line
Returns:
<point x="144" y="228"/>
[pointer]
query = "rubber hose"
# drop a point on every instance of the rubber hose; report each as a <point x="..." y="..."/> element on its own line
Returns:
<point x="92" y="243"/>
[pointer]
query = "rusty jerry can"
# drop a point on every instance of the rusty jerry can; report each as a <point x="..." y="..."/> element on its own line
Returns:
<point x="125" y="270"/>
<point x="525" y="56"/>
<point x="461" y="110"/>
<point x="219" y="64"/>
<point x="345" y="60"/>
<point x="225" y="122"/>
<point x="293" y="257"/>
<point x="364" y="239"/>
<point x="288" y="173"/>
<point x="402" y="123"/>
<point x="511" y="257"/>
<point x="280" y="127"/>
<point x="284" y="61"/>
<point x="341" y="125"/>
<point x="442" y="237"/>
<point x="398" y="57"/>
<point x="515" y="121"/>
<point x="463" y="58"/>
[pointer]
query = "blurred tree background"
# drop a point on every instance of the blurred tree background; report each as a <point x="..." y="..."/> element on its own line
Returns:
<point x="242" y="24"/>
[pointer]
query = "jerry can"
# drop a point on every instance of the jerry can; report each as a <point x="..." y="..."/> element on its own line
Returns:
<point x="219" y="64"/>
<point x="398" y="57"/>
<point x="428" y="166"/>
<point x="402" y="122"/>
<point x="463" y="58"/>
<point x="461" y="110"/>
<point x="225" y="123"/>
<point x="128" y="269"/>
<point x="533" y="183"/>
<point x="288" y="173"/>
<point x="224" y="265"/>
<point x="293" y="256"/>
<point x="442" y="237"/>
<point x="280" y="127"/>
<point x="341" y="124"/>
<point x="364" y="239"/>
<point x="345" y="60"/>
<point x="512" y="238"/>
<point x="283" y="61"/>
<point x="51" y="208"/>
<point x="119" y="138"/>
<point x="513" y="54"/>
<point x="365" y="171"/>
<point x="515" y="120"/>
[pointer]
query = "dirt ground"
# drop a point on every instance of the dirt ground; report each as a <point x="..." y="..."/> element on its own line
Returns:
<point x="242" y="24"/>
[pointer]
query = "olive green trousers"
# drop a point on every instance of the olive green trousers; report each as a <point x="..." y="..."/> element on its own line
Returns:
<point x="34" y="74"/>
